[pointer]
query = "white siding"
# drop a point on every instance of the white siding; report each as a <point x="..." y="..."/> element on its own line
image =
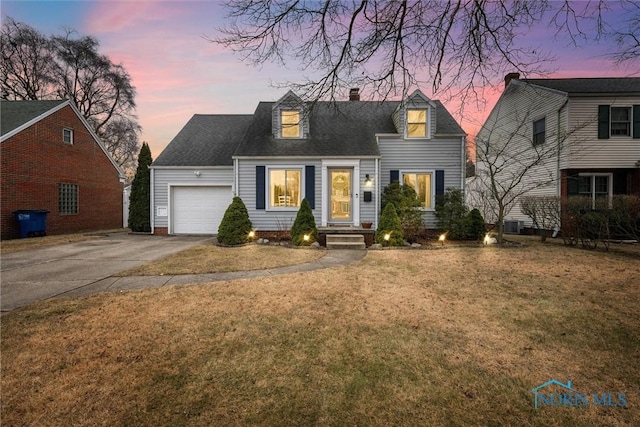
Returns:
<point x="509" y="130"/>
<point x="272" y="220"/>
<point x="586" y="150"/>
<point x="163" y="178"/>
<point x="422" y="155"/>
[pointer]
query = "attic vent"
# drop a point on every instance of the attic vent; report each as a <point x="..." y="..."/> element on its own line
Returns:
<point x="354" y="94"/>
<point x="513" y="227"/>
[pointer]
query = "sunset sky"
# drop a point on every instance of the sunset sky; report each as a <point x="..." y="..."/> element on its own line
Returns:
<point x="178" y="73"/>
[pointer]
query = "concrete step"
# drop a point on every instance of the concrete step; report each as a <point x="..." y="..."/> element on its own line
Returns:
<point x="345" y="241"/>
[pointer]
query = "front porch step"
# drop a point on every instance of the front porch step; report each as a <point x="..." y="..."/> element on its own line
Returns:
<point x="345" y="241"/>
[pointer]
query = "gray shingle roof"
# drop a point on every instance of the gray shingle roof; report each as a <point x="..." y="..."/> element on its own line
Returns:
<point x="14" y="114"/>
<point x="206" y="140"/>
<point x="603" y="85"/>
<point x="336" y="129"/>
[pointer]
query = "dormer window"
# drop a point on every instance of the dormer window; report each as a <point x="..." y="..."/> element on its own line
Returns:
<point x="290" y="123"/>
<point x="416" y="123"/>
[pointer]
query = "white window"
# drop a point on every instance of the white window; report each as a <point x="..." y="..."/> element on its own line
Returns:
<point x="285" y="186"/>
<point x="68" y="199"/>
<point x="539" y="130"/>
<point x="422" y="182"/>
<point x="596" y="186"/>
<point x="620" y="121"/>
<point x="290" y="123"/>
<point x="417" y="123"/>
<point x="67" y="136"/>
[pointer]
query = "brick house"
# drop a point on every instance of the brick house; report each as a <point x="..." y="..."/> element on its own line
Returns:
<point x="52" y="160"/>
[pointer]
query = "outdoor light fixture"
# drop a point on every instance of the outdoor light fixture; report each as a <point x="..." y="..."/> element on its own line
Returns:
<point x="252" y="234"/>
<point x="196" y="173"/>
<point x="441" y="238"/>
<point x="387" y="236"/>
<point x="367" y="181"/>
<point x="306" y="237"/>
<point x="486" y="239"/>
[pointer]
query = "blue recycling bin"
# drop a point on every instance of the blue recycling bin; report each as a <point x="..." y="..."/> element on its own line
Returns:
<point x="32" y="222"/>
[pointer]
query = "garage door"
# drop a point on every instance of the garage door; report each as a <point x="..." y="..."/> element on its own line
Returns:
<point x="199" y="210"/>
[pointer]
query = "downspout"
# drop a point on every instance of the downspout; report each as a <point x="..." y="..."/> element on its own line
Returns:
<point x="152" y="199"/>
<point x="558" y="176"/>
<point x="463" y="173"/>
<point x="376" y="187"/>
<point x="235" y="178"/>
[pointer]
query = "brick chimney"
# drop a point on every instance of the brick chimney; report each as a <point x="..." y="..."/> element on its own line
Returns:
<point x="354" y="94"/>
<point x="510" y="77"/>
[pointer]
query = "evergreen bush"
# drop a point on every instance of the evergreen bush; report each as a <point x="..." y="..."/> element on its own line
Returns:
<point x="140" y="198"/>
<point x="390" y="224"/>
<point x="451" y="213"/>
<point x="236" y="225"/>
<point x="475" y="225"/>
<point x="407" y="206"/>
<point x="305" y="224"/>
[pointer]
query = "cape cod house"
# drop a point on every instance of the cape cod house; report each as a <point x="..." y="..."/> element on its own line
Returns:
<point x="337" y="155"/>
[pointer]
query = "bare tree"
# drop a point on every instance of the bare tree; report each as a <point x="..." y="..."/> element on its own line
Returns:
<point x="27" y="62"/>
<point x="512" y="160"/>
<point x="69" y="67"/>
<point x="385" y="46"/>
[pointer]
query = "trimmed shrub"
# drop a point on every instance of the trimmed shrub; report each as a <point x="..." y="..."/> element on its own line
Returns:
<point x="389" y="224"/>
<point x="475" y="225"/>
<point x="544" y="212"/>
<point x="407" y="206"/>
<point x="451" y="213"/>
<point x="236" y="225"/>
<point x="305" y="224"/>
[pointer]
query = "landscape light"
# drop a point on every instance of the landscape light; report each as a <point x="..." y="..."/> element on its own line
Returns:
<point x="252" y="234"/>
<point x="442" y="237"/>
<point x="387" y="236"/>
<point x="486" y="239"/>
<point x="306" y="237"/>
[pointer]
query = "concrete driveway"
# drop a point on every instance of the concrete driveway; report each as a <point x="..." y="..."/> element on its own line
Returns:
<point x="34" y="275"/>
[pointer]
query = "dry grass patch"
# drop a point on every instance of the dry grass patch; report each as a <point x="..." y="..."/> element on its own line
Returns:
<point x="210" y="258"/>
<point x="15" y="245"/>
<point x="436" y="337"/>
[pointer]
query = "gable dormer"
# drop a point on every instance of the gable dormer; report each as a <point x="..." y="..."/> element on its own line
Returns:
<point x="290" y="118"/>
<point x="415" y="117"/>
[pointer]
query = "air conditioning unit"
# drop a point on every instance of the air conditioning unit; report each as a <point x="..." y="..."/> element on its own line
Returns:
<point x="513" y="227"/>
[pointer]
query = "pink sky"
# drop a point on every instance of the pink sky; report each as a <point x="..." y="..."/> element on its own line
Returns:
<point x="178" y="73"/>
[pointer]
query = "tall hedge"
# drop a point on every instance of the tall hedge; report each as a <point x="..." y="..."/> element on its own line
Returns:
<point x="236" y="225"/>
<point x="390" y="224"/>
<point x="140" y="198"/>
<point x="305" y="224"/>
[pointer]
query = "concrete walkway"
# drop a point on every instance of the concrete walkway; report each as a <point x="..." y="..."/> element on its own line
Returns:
<point x="89" y="267"/>
<point x="332" y="258"/>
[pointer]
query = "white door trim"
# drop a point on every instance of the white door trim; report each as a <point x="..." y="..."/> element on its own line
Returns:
<point x="326" y="164"/>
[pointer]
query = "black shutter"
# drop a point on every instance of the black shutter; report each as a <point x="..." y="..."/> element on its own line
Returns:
<point x="260" y="187"/>
<point x="603" y="122"/>
<point x="636" y="121"/>
<point x="395" y="176"/>
<point x="310" y="185"/>
<point x="439" y="183"/>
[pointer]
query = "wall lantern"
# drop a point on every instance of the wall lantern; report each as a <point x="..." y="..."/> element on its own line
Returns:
<point x="368" y="182"/>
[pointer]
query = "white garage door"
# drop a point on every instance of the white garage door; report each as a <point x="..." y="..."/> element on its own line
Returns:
<point x="199" y="210"/>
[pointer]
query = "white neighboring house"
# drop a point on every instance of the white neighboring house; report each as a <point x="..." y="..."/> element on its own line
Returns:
<point x="587" y="130"/>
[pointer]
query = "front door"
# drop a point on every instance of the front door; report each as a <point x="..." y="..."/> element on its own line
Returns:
<point x="340" y="195"/>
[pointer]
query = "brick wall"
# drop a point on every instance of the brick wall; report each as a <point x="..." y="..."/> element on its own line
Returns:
<point x="36" y="160"/>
